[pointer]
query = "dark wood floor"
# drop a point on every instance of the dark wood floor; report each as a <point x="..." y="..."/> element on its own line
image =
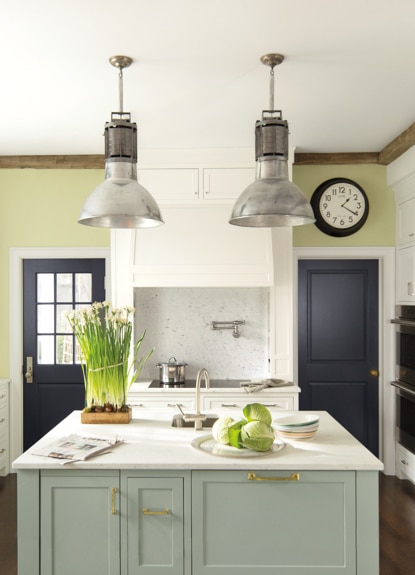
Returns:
<point x="397" y="526"/>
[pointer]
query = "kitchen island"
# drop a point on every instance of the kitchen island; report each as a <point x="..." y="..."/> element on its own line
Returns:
<point x="157" y="504"/>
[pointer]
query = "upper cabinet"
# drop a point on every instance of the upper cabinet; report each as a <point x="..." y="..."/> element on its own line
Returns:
<point x="172" y="186"/>
<point x="401" y="177"/>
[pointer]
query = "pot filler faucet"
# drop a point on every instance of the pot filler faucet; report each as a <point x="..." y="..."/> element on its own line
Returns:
<point x="197" y="417"/>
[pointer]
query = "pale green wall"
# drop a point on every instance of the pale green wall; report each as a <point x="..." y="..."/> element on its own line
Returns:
<point x="379" y="229"/>
<point x="39" y="208"/>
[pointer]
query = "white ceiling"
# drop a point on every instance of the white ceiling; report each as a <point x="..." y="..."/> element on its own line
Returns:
<point x="347" y="83"/>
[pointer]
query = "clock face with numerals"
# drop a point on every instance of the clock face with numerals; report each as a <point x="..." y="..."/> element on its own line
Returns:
<point x="340" y="207"/>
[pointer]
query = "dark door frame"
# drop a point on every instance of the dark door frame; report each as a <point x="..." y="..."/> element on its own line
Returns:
<point x="17" y="255"/>
<point x="386" y="258"/>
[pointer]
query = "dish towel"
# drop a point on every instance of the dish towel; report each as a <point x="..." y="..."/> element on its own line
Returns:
<point x="252" y="386"/>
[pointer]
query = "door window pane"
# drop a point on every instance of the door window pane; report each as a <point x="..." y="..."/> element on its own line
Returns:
<point x="83" y="287"/>
<point x="46" y="349"/>
<point x="64" y="349"/>
<point x="45" y="288"/>
<point x="64" y="287"/>
<point x="62" y="323"/>
<point x="45" y="318"/>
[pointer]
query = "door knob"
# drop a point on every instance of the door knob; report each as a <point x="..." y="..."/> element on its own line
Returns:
<point x="29" y="369"/>
<point x="374" y="372"/>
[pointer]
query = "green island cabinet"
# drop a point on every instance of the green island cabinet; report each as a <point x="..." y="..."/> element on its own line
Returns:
<point x="197" y="522"/>
<point x="156" y="505"/>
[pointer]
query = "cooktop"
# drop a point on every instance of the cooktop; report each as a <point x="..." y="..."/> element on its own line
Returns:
<point x="191" y="383"/>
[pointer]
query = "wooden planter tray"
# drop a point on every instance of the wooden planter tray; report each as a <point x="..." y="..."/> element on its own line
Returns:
<point x="107" y="417"/>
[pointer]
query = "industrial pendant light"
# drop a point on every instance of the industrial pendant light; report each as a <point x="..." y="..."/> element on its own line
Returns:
<point x="120" y="201"/>
<point x="272" y="200"/>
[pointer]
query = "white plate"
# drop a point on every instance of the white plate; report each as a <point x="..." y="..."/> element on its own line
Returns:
<point x="297" y="420"/>
<point x="210" y="445"/>
<point x="288" y="428"/>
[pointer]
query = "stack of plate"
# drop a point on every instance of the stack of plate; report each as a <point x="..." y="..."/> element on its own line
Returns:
<point x="299" y="426"/>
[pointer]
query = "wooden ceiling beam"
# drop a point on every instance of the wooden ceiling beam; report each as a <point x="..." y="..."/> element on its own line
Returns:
<point x="398" y="146"/>
<point x="53" y="162"/>
<point x="393" y="150"/>
<point x="301" y="159"/>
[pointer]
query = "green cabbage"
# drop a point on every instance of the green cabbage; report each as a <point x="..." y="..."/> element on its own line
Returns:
<point x="257" y="412"/>
<point x="220" y="429"/>
<point x="254" y="432"/>
<point x="257" y="436"/>
<point x="235" y="433"/>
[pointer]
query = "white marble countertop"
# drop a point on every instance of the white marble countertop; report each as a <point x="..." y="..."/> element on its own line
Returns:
<point x="150" y="442"/>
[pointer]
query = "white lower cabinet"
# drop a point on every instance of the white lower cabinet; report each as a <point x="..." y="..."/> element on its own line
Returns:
<point x="4" y="428"/>
<point x="233" y="402"/>
<point x="405" y="463"/>
<point x="200" y="522"/>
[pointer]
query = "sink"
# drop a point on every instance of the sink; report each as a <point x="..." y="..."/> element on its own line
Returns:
<point x="178" y="421"/>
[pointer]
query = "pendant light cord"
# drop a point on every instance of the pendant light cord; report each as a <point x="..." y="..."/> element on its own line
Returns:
<point x="120" y="90"/>
<point x="271" y="90"/>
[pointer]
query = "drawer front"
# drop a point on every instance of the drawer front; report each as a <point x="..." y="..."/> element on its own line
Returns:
<point x="274" y="404"/>
<point x="162" y="403"/>
<point x="3" y="397"/>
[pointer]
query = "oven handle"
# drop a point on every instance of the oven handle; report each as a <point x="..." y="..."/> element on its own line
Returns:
<point x="404" y="387"/>
<point x="399" y="321"/>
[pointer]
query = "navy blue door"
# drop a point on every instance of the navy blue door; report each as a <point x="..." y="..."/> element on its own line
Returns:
<point x="338" y="343"/>
<point x="51" y="287"/>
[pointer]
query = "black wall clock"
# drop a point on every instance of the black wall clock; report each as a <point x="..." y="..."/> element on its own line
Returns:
<point x="340" y="207"/>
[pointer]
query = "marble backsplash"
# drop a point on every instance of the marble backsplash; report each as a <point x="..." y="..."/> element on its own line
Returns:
<point x="177" y="323"/>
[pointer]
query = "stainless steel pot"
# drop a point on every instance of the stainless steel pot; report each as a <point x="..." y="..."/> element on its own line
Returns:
<point x="173" y="371"/>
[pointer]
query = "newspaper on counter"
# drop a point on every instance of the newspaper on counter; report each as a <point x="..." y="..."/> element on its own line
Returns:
<point x="77" y="448"/>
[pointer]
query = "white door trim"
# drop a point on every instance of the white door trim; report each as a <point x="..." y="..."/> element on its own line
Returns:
<point x="386" y="258"/>
<point x="17" y="255"/>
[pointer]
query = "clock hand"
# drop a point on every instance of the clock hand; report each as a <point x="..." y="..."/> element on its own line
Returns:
<point x="349" y="210"/>
<point x="348" y="200"/>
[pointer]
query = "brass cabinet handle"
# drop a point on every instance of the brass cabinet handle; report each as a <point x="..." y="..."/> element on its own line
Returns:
<point x="149" y="512"/>
<point x="374" y="372"/>
<point x="292" y="477"/>
<point x="113" y="492"/>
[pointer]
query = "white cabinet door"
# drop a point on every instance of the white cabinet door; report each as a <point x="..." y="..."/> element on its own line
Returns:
<point x="405" y="275"/>
<point x="226" y="183"/>
<point x="171" y="185"/>
<point x="405" y="222"/>
<point x="4" y="428"/>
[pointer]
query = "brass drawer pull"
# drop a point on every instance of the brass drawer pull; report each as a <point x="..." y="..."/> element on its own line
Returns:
<point x="292" y="477"/>
<point x="148" y="512"/>
<point x="113" y="492"/>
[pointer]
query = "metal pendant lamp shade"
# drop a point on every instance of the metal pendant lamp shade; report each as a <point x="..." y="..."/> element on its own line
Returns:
<point x="271" y="200"/>
<point x="120" y="201"/>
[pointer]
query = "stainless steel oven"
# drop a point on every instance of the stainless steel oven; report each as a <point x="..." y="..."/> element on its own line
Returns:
<point x="405" y="375"/>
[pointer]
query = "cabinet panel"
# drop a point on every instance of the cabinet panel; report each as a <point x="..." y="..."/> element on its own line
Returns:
<point x="154" y="524"/>
<point x="4" y="428"/>
<point x="405" y="221"/>
<point x="274" y="526"/>
<point x="226" y="183"/>
<point x="171" y="185"/>
<point x="80" y="528"/>
<point x="405" y="275"/>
